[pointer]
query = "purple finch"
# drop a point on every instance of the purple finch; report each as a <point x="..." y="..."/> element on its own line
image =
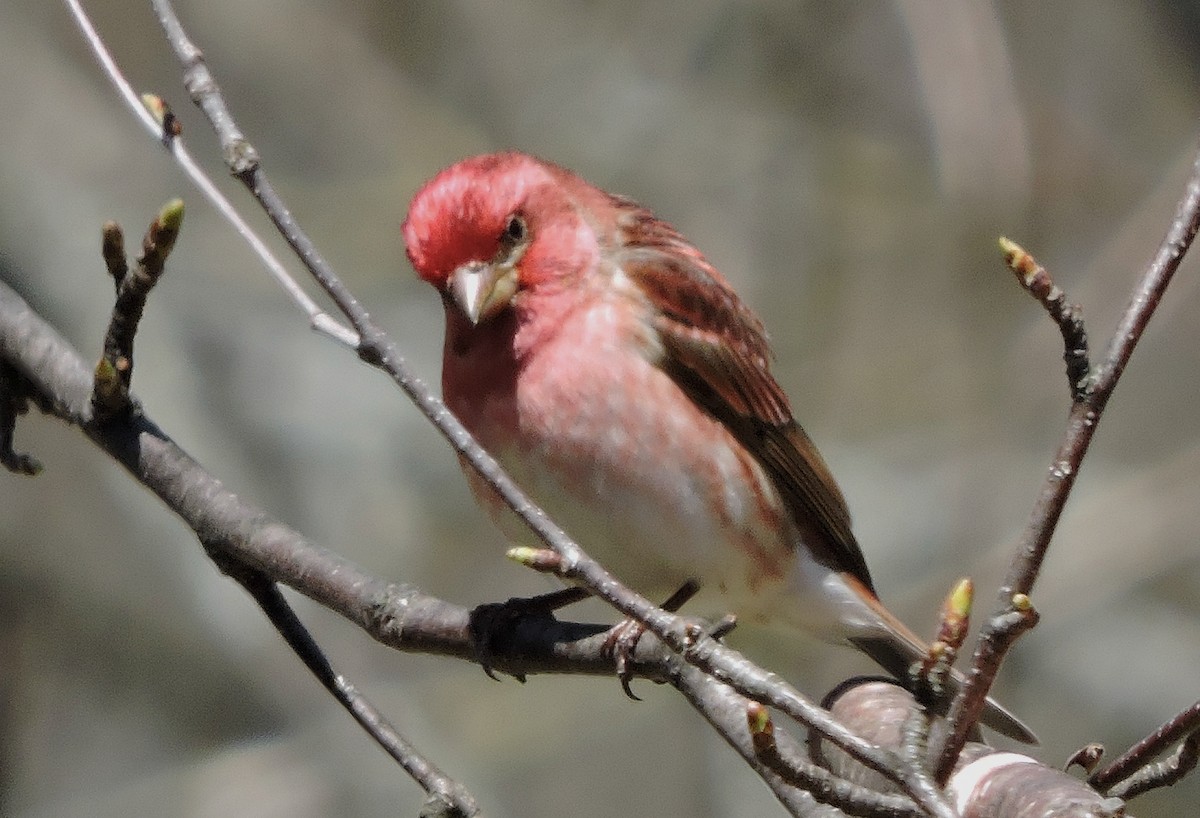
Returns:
<point x="622" y="383"/>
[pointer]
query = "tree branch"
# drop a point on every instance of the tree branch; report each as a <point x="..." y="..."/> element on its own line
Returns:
<point x="1084" y="417"/>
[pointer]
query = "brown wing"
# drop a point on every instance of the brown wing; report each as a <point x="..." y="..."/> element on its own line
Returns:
<point x="718" y="352"/>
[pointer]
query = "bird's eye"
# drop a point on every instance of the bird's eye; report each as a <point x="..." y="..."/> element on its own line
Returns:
<point x="514" y="231"/>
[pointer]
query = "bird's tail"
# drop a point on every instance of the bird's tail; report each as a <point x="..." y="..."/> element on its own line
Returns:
<point x="895" y="648"/>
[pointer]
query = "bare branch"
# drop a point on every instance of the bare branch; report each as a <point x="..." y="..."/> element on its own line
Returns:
<point x="1183" y="726"/>
<point x="110" y="395"/>
<point x="825" y="787"/>
<point x="1082" y="421"/>
<point x="1085" y="415"/>
<point x="1162" y="773"/>
<point x="929" y="677"/>
<point x="1066" y="315"/>
<point x="447" y="796"/>
<point x="995" y="640"/>
<point x="157" y="119"/>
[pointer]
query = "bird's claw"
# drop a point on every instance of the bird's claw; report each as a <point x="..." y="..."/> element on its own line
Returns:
<point x="622" y="638"/>
<point x="620" y="643"/>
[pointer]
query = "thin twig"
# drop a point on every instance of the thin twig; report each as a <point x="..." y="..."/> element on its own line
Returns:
<point x="1066" y="315"/>
<point x="1085" y="415"/>
<point x="1177" y="727"/>
<point x="999" y="634"/>
<point x="1161" y="773"/>
<point x="114" y="372"/>
<point x="725" y="710"/>
<point x="452" y="799"/>
<point x="164" y="128"/>
<point x="825" y="787"/>
<point x="1081" y="428"/>
<point x="929" y="676"/>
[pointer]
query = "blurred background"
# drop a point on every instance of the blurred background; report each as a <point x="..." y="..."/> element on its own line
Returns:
<point x="847" y="165"/>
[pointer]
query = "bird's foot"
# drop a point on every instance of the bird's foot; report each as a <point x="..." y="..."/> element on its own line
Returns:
<point x="622" y="639"/>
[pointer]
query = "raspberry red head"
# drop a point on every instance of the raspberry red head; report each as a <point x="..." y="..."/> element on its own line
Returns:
<point x="461" y="214"/>
<point x="491" y="226"/>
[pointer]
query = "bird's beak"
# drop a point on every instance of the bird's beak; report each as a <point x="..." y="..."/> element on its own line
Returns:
<point x="482" y="290"/>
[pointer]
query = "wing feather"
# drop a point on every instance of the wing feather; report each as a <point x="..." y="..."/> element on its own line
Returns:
<point x="717" y="351"/>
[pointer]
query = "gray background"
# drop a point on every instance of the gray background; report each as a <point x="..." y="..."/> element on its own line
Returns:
<point x="847" y="165"/>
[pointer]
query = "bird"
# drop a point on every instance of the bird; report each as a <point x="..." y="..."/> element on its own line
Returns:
<point x="620" y="380"/>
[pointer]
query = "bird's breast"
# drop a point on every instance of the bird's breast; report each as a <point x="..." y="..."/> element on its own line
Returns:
<point x="616" y="452"/>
